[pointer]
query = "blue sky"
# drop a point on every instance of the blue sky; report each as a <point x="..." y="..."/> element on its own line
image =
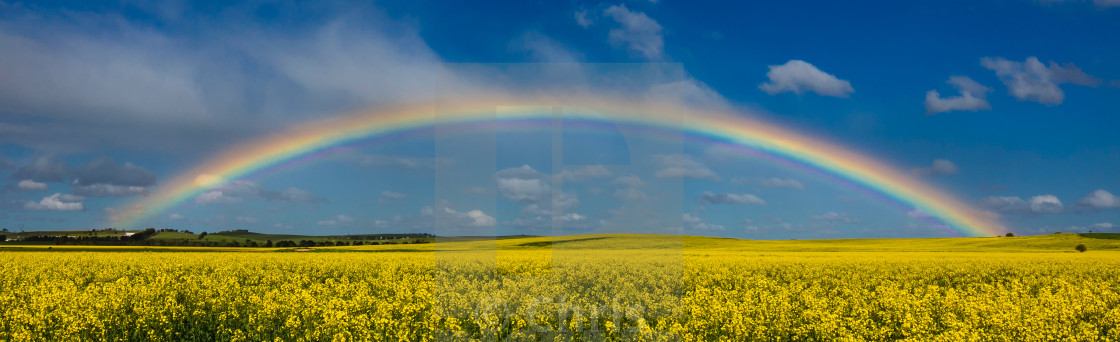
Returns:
<point x="1009" y="105"/>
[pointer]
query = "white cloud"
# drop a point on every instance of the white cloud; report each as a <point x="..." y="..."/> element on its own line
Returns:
<point x="835" y="217"/>
<point x="56" y="202"/>
<point x="475" y="218"/>
<point x="690" y="92"/>
<point x="569" y="217"/>
<point x="215" y="197"/>
<point x="72" y="65"/>
<point x="1041" y="204"/>
<point x="106" y="190"/>
<point x="636" y="31"/>
<point x="973" y="97"/>
<point x="176" y="217"/>
<point x="712" y="198"/>
<point x="236" y="191"/>
<point x="581" y="18"/>
<point x="1103" y="225"/>
<point x="696" y="223"/>
<point x="1100" y="199"/>
<point x="30" y="185"/>
<point x="939" y="167"/>
<point x="524" y="190"/>
<point x="679" y="165"/>
<point x="799" y="77"/>
<point x="782" y="183"/>
<point x="387" y="196"/>
<point x="523" y="184"/>
<point x="541" y="48"/>
<point x="1033" y="81"/>
<point x="1045" y="204"/>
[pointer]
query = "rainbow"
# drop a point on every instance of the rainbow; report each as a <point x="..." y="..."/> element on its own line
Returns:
<point x="300" y="141"/>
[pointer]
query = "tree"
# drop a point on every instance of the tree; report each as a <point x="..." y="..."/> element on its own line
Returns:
<point x="268" y="244"/>
<point x="1009" y="235"/>
<point x="1081" y="248"/>
<point x="201" y="235"/>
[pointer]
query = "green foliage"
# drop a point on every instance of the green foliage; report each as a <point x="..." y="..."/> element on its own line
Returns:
<point x="1081" y="248"/>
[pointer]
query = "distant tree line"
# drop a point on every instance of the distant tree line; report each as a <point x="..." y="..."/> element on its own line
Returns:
<point x="144" y="238"/>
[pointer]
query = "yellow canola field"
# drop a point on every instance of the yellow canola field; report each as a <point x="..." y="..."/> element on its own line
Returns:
<point x="555" y="295"/>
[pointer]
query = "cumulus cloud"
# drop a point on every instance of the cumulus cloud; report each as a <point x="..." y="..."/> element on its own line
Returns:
<point x="569" y="217"/>
<point x="387" y="196"/>
<point x="697" y="223"/>
<point x="690" y="92"/>
<point x="679" y="165"/>
<point x="1031" y="80"/>
<point x="106" y="190"/>
<point x="216" y="197"/>
<point x="775" y="182"/>
<point x="236" y="191"/>
<point x="636" y="31"/>
<point x="713" y="198"/>
<point x="939" y="167"/>
<point x="1041" y="204"/>
<point x="30" y="185"/>
<point x="835" y="217"/>
<point x="44" y="170"/>
<point x="473" y="218"/>
<point x="1100" y="199"/>
<point x="799" y="77"/>
<point x="56" y="202"/>
<point x="541" y="48"/>
<point x="162" y="86"/>
<point x="532" y="188"/>
<point x="582" y="19"/>
<point x="101" y="177"/>
<point x="523" y="184"/>
<point x="105" y="170"/>
<point x="973" y="97"/>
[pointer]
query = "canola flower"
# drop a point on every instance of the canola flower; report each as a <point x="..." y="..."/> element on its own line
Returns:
<point x="614" y="295"/>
